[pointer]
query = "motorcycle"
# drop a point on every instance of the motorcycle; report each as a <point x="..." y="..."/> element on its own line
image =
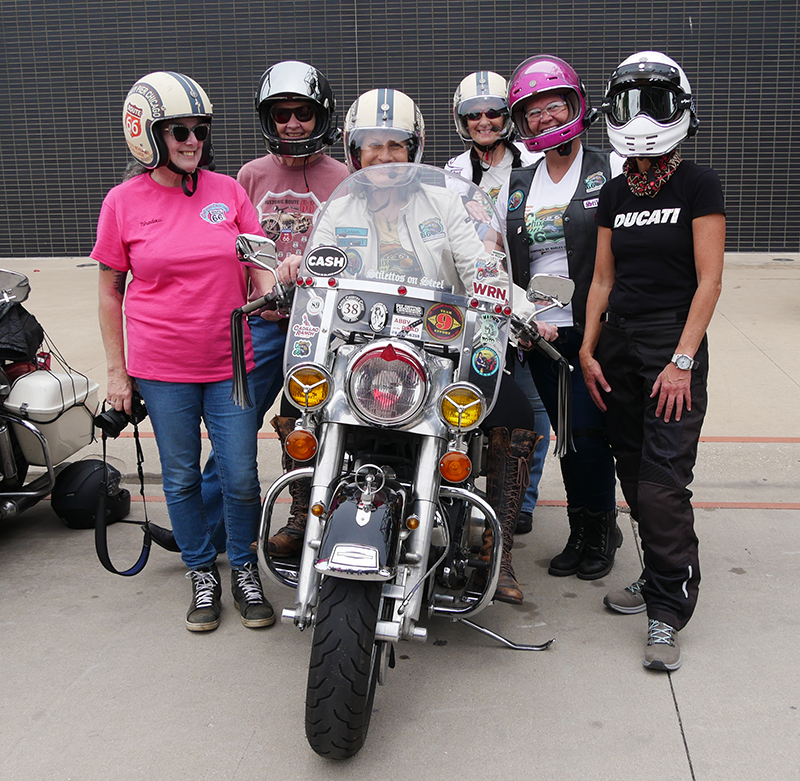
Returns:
<point x="392" y="364"/>
<point x="46" y="415"/>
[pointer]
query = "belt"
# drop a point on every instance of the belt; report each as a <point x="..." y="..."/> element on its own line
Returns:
<point x="662" y="317"/>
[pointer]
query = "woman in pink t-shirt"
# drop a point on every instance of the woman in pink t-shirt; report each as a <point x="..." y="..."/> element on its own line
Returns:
<point x="173" y="227"/>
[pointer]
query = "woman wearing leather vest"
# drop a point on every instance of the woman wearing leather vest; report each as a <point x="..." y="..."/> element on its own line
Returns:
<point x="550" y="228"/>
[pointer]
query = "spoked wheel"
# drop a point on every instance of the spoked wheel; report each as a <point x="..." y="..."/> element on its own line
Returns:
<point x="344" y="667"/>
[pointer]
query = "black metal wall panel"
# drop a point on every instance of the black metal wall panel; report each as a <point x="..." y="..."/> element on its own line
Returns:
<point x="66" y="68"/>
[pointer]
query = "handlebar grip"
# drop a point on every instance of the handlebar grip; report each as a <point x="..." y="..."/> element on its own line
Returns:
<point x="545" y="347"/>
<point x="253" y="305"/>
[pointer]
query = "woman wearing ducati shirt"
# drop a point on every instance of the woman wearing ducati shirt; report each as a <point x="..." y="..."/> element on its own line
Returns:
<point x="657" y="279"/>
<point x="173" y="229"/>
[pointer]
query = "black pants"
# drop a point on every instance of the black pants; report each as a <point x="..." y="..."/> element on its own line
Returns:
<point x="655" y="459"/>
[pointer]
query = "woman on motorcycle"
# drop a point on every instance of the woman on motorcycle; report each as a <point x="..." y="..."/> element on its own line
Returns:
<point x="656" y="282"/>
<point x="483" y="122"/>
<point x="385" y="126"/>
<point x="548" y="217"/>
<point x="174" y="227"/>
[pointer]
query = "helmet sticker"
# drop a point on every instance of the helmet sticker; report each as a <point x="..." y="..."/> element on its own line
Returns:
<point x="215" y="213"/>
<point x="515" y="200"/>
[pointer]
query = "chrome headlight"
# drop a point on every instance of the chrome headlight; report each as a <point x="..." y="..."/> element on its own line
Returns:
<point x="387" y="384"/>
<point x="308" y="386"/>
<point x="462" y="406"/>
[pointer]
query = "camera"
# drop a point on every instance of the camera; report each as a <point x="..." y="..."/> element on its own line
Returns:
<point x="112" y="421"/>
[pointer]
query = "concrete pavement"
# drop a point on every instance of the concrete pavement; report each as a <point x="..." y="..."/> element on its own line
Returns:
<point x="100" y="678"/>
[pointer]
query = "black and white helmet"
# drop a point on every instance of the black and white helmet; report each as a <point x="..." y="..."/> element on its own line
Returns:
<point x="388" y="111"/>
<point x="481" y="91"/>
<point x="648" y="106"/>
<point x="293" y="80"/>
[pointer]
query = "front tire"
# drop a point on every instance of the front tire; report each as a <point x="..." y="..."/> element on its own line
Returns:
<point x="343" y="669"/>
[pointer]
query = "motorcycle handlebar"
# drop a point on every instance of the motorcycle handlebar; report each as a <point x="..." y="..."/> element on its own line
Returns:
<point x="523" y="327"/>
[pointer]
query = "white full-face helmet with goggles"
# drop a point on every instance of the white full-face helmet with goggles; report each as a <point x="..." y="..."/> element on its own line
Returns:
<point x="297" y="81"/>
<point x="547" y="74"/>
<point x="482" y="91"/>
<point x="158" y="98"/>
<point x="385" y="113"/>
<point x="648" y="106"/>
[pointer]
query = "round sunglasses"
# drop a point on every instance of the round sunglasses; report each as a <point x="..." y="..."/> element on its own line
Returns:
<point x="304" y="113"/>
<point x="181" y="132"/>
<point x="492" y="113"/>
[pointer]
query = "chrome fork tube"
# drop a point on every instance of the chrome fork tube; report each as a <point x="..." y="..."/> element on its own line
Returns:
<point x="328" y="467"/>
<point x="426" y="493"/>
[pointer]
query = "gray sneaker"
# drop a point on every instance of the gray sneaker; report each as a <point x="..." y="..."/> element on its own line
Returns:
<point x="203" y="614"/>
<point x="626" y="600"/>
<point x="248" y="596"/>
<point x="663" y="651"/>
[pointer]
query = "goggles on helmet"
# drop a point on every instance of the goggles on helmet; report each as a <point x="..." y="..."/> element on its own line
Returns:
<point x="661" y="103"/>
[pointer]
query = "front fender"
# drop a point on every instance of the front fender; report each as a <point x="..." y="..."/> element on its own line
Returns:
<point x="359" y="543"/>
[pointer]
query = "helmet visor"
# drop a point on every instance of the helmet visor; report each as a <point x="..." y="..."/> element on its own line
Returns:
<point x="660" y="103"/>
<point x="492" y="106"/>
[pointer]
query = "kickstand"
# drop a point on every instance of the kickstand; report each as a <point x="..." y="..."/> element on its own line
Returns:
<point x="503" y="640"/>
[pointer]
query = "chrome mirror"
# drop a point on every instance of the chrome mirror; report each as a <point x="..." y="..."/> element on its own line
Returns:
<point x="256" y="251"/>
<point x="550" y="289"/>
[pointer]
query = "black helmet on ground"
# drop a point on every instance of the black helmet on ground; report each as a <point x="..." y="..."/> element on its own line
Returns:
<point x="76" y="493"/>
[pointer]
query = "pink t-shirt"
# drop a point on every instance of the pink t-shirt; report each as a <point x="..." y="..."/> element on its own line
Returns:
<point x="186" y="279"/>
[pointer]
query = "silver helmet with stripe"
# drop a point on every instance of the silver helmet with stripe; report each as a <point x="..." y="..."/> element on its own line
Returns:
<point x="481" y="91"/>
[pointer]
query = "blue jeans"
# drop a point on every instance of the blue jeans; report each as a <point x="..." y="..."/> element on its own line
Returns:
<point x="176" y="409"/>
<point x="266" y="381"/>
<point x="588" y="471"/>
<point x="542" y="426"/>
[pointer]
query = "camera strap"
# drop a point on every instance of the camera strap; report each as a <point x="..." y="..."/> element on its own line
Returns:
<point x="152" y="532"/>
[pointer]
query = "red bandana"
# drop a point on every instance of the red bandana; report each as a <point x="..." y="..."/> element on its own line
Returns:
<point x="650" y="182"/>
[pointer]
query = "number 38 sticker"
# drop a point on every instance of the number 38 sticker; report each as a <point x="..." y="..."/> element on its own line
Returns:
<point x="351" y="309"/>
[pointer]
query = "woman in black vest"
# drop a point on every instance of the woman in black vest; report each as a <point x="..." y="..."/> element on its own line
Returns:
<point x="550" y="229"/>
<point x="657" y="279"/>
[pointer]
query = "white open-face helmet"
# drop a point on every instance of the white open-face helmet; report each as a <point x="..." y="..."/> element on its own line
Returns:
<point x="154" y="99"/>
<point x="648" y="106"/>
<point x="389" y="112"/>
<point x="481" y="91"/>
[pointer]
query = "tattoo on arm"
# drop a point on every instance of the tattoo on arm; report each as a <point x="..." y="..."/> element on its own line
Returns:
<point x="119" y="278"/>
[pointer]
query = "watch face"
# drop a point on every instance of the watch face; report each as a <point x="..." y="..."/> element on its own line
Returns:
<point x="684" y="362"/>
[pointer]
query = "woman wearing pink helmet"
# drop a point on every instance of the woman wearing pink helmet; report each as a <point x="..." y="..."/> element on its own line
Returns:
<point x="549" y="224"/>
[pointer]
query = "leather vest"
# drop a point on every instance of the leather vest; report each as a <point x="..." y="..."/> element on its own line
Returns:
<point x="580" y="230"/>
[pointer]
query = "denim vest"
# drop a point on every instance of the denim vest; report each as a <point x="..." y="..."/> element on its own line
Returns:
<point x="580" y="230"/>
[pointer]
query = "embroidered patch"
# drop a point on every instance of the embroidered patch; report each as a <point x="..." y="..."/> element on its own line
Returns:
<point x="214" y="213"/>
<point x="431" y="229"/>
<point x="351" y="237"/>
<point x="594" y="181"/>
<point x="515" y="200"/>
<point x="591" y="203"/>
<point x="354" y="262"/>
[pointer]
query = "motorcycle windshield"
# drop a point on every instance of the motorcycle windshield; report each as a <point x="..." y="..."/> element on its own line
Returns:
<point x="406" y="251"/>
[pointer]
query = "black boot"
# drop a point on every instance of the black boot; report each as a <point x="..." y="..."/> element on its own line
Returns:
<point x="567" y="562"/>
<point x="288" y="541"/>
<point x="506" y="481"/>
<point x="603" y="537"/>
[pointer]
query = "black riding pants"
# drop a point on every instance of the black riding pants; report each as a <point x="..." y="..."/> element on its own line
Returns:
<point x="655" y="459"/>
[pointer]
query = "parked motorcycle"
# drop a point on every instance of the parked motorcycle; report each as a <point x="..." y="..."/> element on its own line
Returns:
<point x="392" y="367"/>
<point x="46" y="413"/>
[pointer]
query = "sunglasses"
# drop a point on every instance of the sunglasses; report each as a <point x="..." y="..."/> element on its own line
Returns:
<point x="491" y="113"/>
<point x="302" y="113"/>
<point x="181" y="132"/>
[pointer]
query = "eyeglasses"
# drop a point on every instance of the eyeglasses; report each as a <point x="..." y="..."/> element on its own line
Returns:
<point x="181" y="132"/>
<point x="491" y="113"/>
<point x="535" y="114"/>
<point x="304" y="113"/>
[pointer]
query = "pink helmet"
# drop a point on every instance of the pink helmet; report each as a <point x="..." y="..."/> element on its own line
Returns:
<point x="544" y="73"/>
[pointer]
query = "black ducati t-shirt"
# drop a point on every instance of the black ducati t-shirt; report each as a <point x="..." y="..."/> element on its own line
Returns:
<point x="652" y="238"/>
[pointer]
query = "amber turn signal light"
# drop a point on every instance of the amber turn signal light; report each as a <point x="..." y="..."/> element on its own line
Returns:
<point x="301" y="445"/>
<point x="455" y="467"/>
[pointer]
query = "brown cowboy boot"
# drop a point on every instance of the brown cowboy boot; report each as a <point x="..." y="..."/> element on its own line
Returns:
<point x="506" y="481"/>
<point x="288" y="541"/>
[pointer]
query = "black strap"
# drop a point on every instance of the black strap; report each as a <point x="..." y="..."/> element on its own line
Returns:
<point x="101" y="526"/>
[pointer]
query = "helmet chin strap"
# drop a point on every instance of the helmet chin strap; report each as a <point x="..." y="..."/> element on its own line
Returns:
<point x="565" y="150"/>
<point x="186" y="178"/>
<point x="486" y="148"/>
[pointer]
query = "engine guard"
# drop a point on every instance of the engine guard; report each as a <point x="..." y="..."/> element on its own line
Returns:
<point x="360" y="541"/>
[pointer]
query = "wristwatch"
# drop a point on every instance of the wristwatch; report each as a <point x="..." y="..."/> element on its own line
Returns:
<point x="684" y="362"/>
